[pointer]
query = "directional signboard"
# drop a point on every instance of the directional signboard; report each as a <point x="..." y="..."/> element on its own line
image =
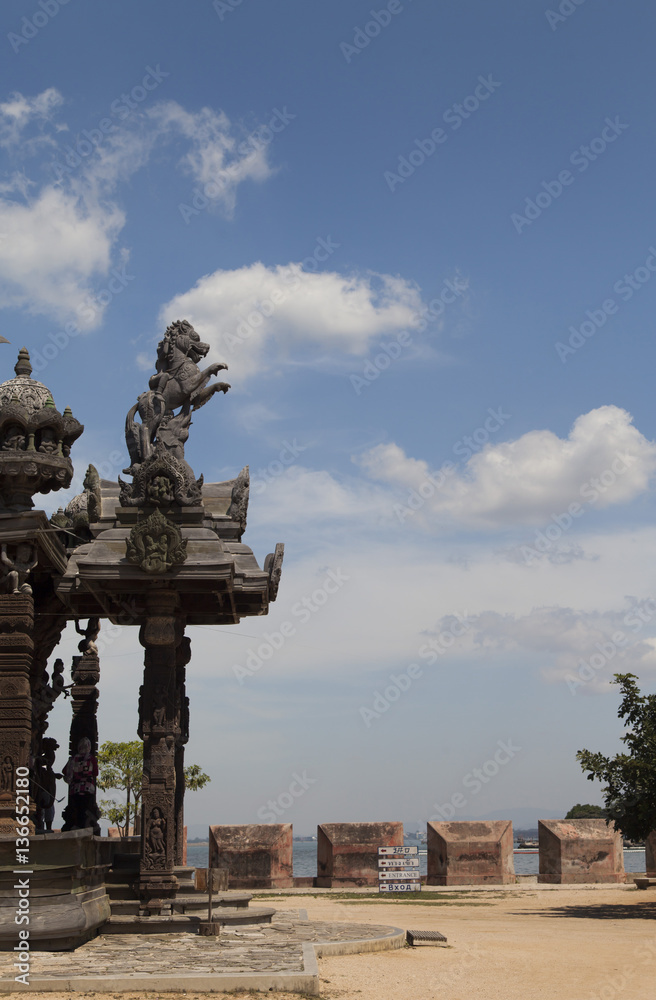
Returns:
<point x="398" y="869"/>
<point x="396" y="851"/>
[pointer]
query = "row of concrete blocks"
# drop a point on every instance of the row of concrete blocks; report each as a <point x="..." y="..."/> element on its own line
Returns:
<point x="459" y="853"/>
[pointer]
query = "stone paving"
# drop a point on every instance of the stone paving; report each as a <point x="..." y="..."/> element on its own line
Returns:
<point x="254" y="948"/>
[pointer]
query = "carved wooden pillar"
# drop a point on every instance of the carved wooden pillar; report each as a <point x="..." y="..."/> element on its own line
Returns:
<point x="183" y="655"/>
<point x="16" y="649"/>
<point x="159" y="727"/>
<point x="49" y="623"/>
<point x="85" y="675"/>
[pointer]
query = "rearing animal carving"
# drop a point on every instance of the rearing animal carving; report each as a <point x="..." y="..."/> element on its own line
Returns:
<point x="178" y="381"/>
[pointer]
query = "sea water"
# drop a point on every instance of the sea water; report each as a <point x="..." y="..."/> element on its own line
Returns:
<point x="305" y="859"/>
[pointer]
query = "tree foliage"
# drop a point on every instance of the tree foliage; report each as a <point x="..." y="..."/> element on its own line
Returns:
<point x="195" y="778"/>
<point x="120" y="768"/>
<point x="586" y="811"/>
<point x="630" y="778"/>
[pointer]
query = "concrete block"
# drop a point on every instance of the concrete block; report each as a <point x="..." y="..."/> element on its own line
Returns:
<point x="347" y="853"/>
<point x="470" y="853"/>
<point x="257" y="856"/>
<point x="579" y="851"/>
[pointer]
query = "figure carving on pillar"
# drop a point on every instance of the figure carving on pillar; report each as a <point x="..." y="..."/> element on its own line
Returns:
<point x="90" y="633"/>
<point x="45" y="785"/>
<point x="159" y="705"/>
<point x="7" y="775"/>
<point x="17" y="647"/>
<point x="43" y="698"/>
<point x="182" y="658"/>
<point x="155" y="839"/>
<point x="57" y="679"/>
<point x="160" y="635"/>
<point x="16" y="571"/>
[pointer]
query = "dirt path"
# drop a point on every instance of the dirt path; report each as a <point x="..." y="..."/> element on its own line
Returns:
<point x="570" y="944"/>
<point x="565" y="945"/>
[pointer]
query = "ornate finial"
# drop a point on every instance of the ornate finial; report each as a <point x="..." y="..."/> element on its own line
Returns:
<point x="68" y="412"/>
<point x="23" y="366"/>
<point x="49" y="403"/>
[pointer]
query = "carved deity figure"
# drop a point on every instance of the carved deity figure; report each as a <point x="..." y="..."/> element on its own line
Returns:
<point x="155" y="839"/>
<point x="159" y="705"/>
<point x="14" y="438"/>
<point x="160" y="489"/>
<point x="16" y="571"/>
<point x="45" y="785"/>
<point x="156" y="544"/>
<point x="7" y="775"/>
<point x="177" y="382"/>
<point x="57" y="679"/>
<point x="49" y="443"/>
<point x="44" y="695"/>
<point x="156" y="548"/>
<point x="90" y="633"/>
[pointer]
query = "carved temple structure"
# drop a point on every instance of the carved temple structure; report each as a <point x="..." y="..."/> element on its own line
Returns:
<point x="159" y="553"/>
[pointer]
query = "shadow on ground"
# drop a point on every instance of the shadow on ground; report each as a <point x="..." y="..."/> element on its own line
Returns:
<point x="599" y="911"/>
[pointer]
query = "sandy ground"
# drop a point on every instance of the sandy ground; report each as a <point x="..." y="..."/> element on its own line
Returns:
<point x="570" y="944"/>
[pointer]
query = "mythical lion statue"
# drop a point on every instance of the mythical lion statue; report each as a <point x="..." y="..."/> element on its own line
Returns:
<point x="177" y="382"/>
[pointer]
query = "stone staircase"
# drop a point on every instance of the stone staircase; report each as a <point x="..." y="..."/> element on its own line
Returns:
<point x="188" y="908"/>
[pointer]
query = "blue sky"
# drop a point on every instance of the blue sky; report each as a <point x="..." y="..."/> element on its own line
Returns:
<point x="423" y="240"/>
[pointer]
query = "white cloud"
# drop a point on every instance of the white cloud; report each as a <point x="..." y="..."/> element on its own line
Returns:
<point x="55" y="246"/>
<point x="256" y="316"/>
<point x="300" y="495"/>
<point x="60" y="239"/>
<point x="399" y="594"/>
<point x="216" y="161"/>
<point x="19" y="111"/>
<point x="582" y="648"/>
<point x="605" y="460"/>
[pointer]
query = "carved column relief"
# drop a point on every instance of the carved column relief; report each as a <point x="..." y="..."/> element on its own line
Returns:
<point x="16" y="649"/>
<point x="159" y="727"/>
<point x="85" y="675"/>
<point x="49" y="623"/>
<point x="183" y="655"/>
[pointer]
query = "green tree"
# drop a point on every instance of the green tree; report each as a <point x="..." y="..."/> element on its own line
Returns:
<point x="120" y="768"/>
<point x="586" y="811"/>
<point x="630" y="778"/>
<point x="195" y="778"/>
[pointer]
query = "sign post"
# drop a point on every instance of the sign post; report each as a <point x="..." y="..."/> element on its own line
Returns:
<point x="398" y="869"/>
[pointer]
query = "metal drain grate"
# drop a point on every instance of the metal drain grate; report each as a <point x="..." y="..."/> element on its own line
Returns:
<point x="424" y="937"/>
